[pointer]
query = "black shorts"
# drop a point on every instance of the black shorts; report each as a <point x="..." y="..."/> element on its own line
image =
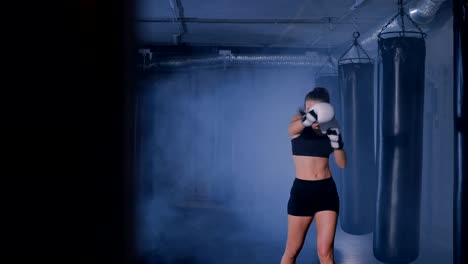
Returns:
<point x="308" y="197"/>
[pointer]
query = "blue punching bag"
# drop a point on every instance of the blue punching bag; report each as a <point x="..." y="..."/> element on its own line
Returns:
<point x="399" y="157"/>
<point x="460" y="102"/>
<point x="359" y="175"/>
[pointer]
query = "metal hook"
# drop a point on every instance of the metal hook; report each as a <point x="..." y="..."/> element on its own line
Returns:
<point x="356" y="34"/>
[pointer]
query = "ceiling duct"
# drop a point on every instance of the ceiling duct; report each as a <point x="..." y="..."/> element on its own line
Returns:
<point x="424" y="11"/>
<point x="226" y="58"/>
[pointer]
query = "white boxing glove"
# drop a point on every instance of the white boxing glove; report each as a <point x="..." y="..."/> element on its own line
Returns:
<point x="332" y="130"/>
<point x="320" y="112"/>
<point x="336" y="140"/>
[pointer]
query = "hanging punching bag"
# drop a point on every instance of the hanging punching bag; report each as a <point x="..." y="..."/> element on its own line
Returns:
<point x="359" y="176"/>
<point x="399" y="158"/>
<point x="460" y="102"/>
<point x="330" y="82"/>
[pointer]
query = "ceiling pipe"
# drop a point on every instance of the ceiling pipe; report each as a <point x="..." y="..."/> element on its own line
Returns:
<point x="178" y="13"/>
<point x="350" y="10"/>
<point x="226" y="58"/>
<point x="356" y="4"/>
<point x="424" y="11"/>
<point x="233" y="20"/>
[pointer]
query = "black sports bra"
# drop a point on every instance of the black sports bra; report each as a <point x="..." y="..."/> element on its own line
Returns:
<point x="309" y="143"/>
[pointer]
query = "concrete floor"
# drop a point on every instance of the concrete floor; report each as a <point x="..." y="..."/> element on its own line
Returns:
<point x="211" y="237"/>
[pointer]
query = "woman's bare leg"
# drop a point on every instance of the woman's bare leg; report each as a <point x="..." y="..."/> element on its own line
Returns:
<point x="297" y="230"/>
<point x="326" y="229"/>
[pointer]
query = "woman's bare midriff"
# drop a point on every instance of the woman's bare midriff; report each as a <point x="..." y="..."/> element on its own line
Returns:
<point x="311" y="168"/>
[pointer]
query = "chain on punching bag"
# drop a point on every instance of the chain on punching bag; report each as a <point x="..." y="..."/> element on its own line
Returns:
<point x="400" y="111"/>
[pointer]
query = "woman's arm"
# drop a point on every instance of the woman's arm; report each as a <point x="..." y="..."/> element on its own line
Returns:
<point x="295" y="126"/>
<point x="340" y="157"/>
